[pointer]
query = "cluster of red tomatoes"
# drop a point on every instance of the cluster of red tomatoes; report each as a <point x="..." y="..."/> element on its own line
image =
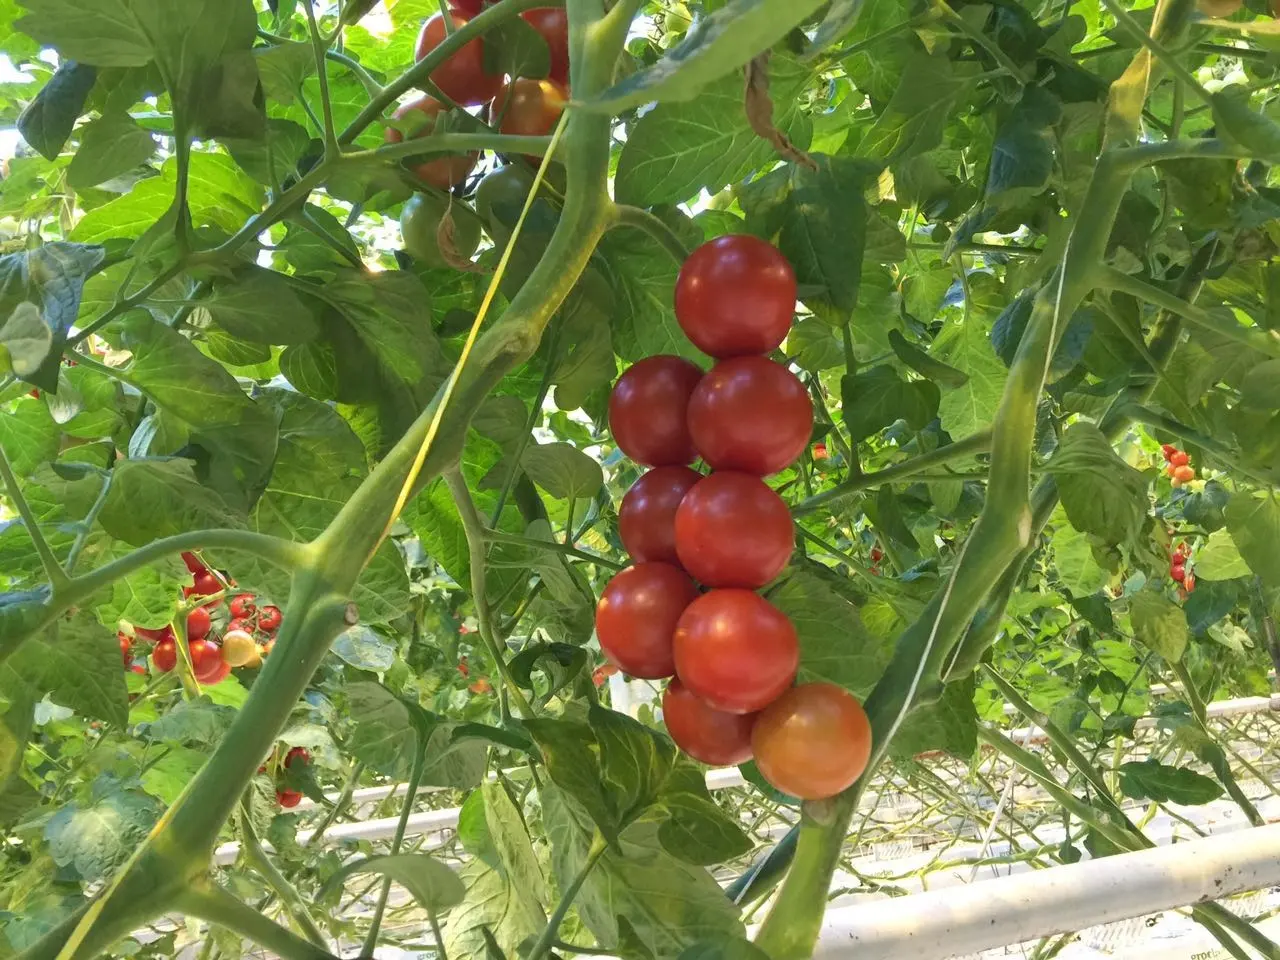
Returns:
<point x="520" y="106"/>
<point x="1178" y="468"/>
<point x="704" y="544"/>
<point x="295" y="757"/>
<point x="1178" y="571"/>
<point x="212" y="657"/>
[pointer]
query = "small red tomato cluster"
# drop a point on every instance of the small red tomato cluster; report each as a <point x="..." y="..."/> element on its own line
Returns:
<point x="1178" y="468"/>
<point x="296" y="756"/>
<point x="733" y="655"/>
<point x="520" y="106"/>
<point x="1178" y="571"/>
<point x="212" y="657"/>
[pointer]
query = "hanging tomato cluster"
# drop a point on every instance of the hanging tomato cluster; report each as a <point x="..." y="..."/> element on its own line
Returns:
<point x="1178" y="571"/>
<point x="520" y="106"/>
<point x="1178" y="468"/>
<point x="703" y="544"/>
<point x="213" y="646"/>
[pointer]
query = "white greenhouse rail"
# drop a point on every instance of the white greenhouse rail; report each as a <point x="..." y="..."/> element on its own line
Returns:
<point x="1064" y="899"/>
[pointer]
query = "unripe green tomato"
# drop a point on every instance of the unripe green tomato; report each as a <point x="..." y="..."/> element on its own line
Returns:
<point x="501" y="195"/>
<point x="677" y="19"/>
<point x="420" y="219"/>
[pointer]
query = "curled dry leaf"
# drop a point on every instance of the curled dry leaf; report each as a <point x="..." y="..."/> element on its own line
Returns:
<point x="448" y="249"/>
<point x="759" y="109"/>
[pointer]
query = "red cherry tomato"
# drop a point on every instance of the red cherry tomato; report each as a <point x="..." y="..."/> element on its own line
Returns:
<point x="206" y="659"/>
<point x="876" y="554"/>
<point x="300" y="754"/>
<point x="155" y="636"/>
<point x="637" y="615"/>
<point x="219" y="673"/>
<point x="269" y="618"/>
<point x="735" y="296"/>
<point x="242" y="607"/>
<point x="813" y="742"/>
<point x="244" y="626"/>
<point x="647" y="411"/>
<point x="733" y="531"/>
<point x="1168" y="449"/>
<point x="444" y="172"/>
<point x="1180" y="458"/>
<point x="1183" y="474"/>
<point x="165" y="656"/>
<point x="288" y="798"/>
<point x="529" y="108"/>
<point x="750" y="414"/>
<point x="481" y="686"/>
<point x="205" y="585"/>
<point x="553" y="24"/>
<point x="820" y="451"/>
<point x="136" y="668"/>
<point x="735" y="650"/>
<point x="462" y="77"/>
<point x="602" y="673"/>
<point x="647" y="517"/>
<point x="1178" y="572"/>
<point x="198" y="623"/>
<point x="126" y="645"/>
<point x="1170" y="470"/>
<point x="194" y="563"/>
<point x="705" y="733"/>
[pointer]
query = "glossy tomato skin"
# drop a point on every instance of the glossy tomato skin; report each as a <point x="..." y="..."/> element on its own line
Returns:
<point x="155" y="636"/>
<point x="194" y="563"/>
<point x="444" y="172"/>
<point x="205" y="585"/>
<point x="206" y="659"/>
<point x="288" y="798"/>
<point x="420" y="228"/>
<point x="217" y="675"/>
<point x="703" y="732"/>
<point x="165" y="656"/>
<point x="735" y="650"/>
<point x="636" y="618"/>
<point x="648" y="411"/>
<point x="529" y="108"/>
<point x="553" y="24"/>
<point x="647" y="517"/>
<point x="242" y="606"/>
<point x="462" y="77"/>
<point x="731" y="530"/>
<point x="270" y="618"/>
<point x="198" y="623"/>
<point x="735" y="296"/>
<point x="750" y="414"/>
<point x="813" y="742"/>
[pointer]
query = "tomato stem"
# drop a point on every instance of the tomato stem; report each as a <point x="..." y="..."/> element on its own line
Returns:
<point x="548" y="936"/>
<point x="257" y="857"/>
<point x="411" y="793"/>
<point x="209" y="902"/>
<point x="331" y="148"/>
<point x="52" y="568"/>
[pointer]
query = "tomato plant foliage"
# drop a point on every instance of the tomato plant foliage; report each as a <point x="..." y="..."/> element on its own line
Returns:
<point x="349" y="354"/>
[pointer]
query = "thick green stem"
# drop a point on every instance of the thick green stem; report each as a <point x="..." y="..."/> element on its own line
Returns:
<point x="211" y="903"/>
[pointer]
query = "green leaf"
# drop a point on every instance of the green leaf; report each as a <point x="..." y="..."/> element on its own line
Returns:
<point x="391" y="313"/>
<point x="677" y="149"/>
<point x="835" y="646"/>
<point x="434" y="886"/>
<point x="147" y="597"/>
<point x="1254" y="524"/>
<point x="48" y="120"/>
<point x="950" y="724"/>
<point x="1152" y="780"/>
<point x="40" y="293"/>
<point x="1073" y="556"/>
<point x="15" y="729"/>
<point x="667" y="903"/>
<point x="175" y="500"/>
<point x="874" y="399"/>
<point x="77" y="663"/>
<point x="1159" y="624"/>
<point x="721" y="42"/>
<point x="696" y="829"/>
<point x="93" y="840"/>
<point x="972" y="407"/>
<point x="1212" y="601"/>
<point x="569" y="750"/>
<point x="1101" y="493"/>
<point x="385" y="737"/>
<point x="724" y="949"/>
<point x="510" y="839"/>
<point x="643" y="279"/>
<point x="107" y="34"/>
<point x="198" y="721"/>
<point x="1260" y="389"/>
<point x="1235" y="118"/>
<point x="283" y="67"/>
<point x="29" y="436"/>
<point x="915" y="117"/>
<point x="365" y="650"/>
<point x="514" y="47"/>
<point x="944" y="375"/>
<point x="495" y="904"/>
<point x="560" y="663"/>
<point x="1218" y="559"/>
<point x="562" y="470"/>
<point x="110" y="146"/>
<point x="261" y="306"/>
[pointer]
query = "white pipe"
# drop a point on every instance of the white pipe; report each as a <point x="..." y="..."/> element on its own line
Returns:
<point x="1222" y="708"/>
<point x="1064" y="899"/>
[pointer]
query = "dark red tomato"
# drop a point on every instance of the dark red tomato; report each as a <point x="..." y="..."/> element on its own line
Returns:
<point x="244" y="626"/>
<point x="198" y="623"/>
<point x="300" y="754"/>
<point x="219" y="673"/>
<point x="288" y="798"/>
<point x="444" y="172"/>
<point x="553" y="24"/>
<point x="136" y="668"/>
<point x="750" y="414"/>
<point x="242" y="607"/>
<point x="194" y="563"/>
<point x="126" y="645"/>
<point x="462" y="77"/>
<point x="813" y="742"/>
<point x="165" y="656"/>
<point x="735" y="650"/>
<point x="735" y="296"/>
<point x="1178" y="572"/>
<point x="733" y="531"/>
<point x="469" y="8"/>
<point x="637" y="615"/>
<point x="703" y="732"/>
<point x="205" y="585"/>
<point x="269" y="618"/>
<point x="206" y="659"/>
<point x="647" y="411"/>
<point x="529" y="108"/>
<point x="155" y="636"/>
<point x="647" y="517"/>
